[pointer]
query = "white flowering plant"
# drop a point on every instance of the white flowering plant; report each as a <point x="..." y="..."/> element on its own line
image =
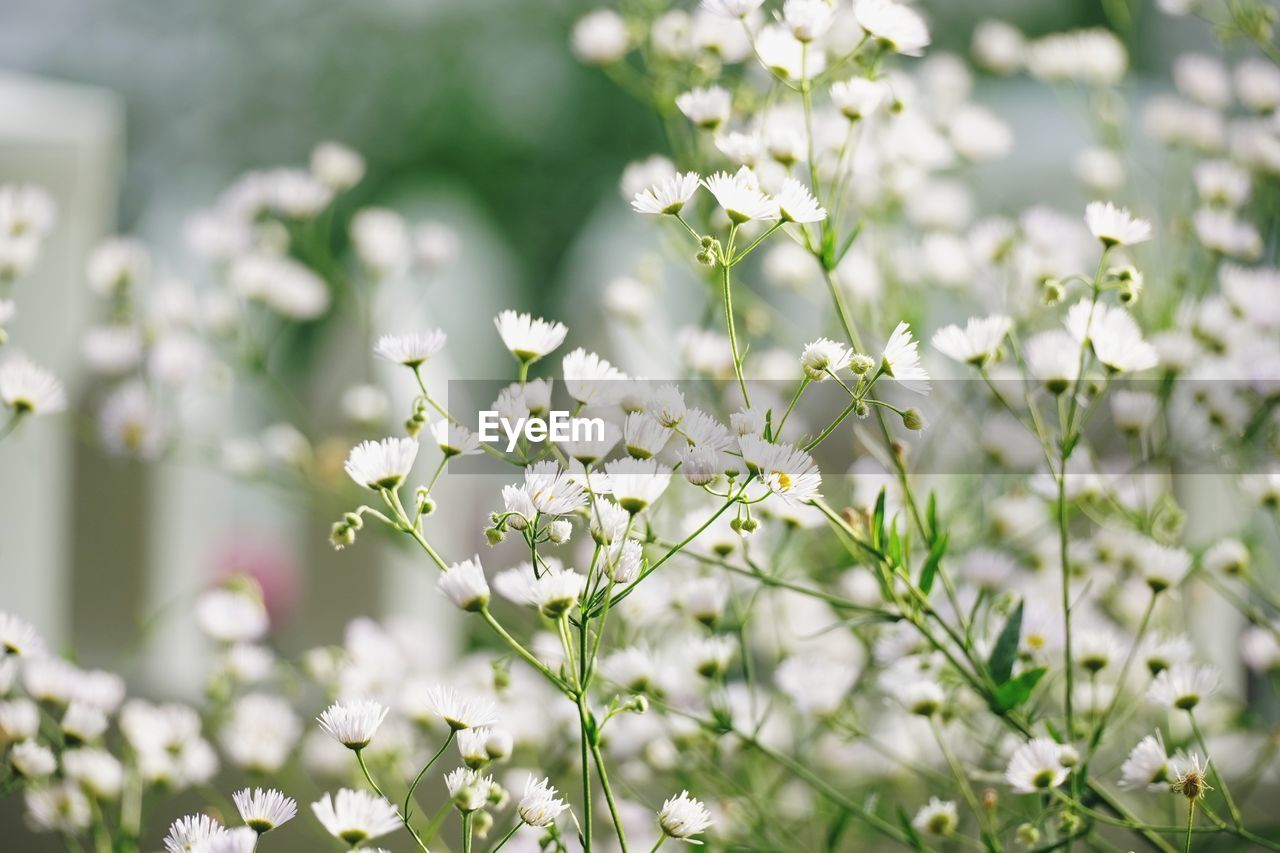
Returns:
<point x="707" y="635"/>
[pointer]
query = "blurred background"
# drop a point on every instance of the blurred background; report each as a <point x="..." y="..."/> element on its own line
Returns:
<point x="472" y="112"/>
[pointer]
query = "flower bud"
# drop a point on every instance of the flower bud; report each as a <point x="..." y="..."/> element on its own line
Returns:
<point x="861" y="364"/>
<point x="341" y="535"/>
<point x="913" y="420"/>
<point x="559" y="531"/>
<point x="494" y="535"/>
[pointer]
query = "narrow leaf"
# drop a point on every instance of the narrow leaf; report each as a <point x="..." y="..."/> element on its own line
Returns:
<point x="1006" y="649"/>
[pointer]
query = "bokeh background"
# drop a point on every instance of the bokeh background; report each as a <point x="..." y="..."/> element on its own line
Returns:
<point x="471" y="111"/>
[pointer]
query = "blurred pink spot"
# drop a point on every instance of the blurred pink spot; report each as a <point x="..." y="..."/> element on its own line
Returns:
<point x="272" y="565"/>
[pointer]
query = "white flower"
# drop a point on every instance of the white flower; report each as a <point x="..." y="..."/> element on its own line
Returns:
<point x="19" y="720"/>
<point x="186" y="834"/>
<point x="28" y="388"/>
<point x="552" y="490"/>
<point x="785" y="56"/>
<point x="1222" y="182"/>
<point x="1134" y="411"/>
<point x="858" y="97"/>
<point x="899" y="26"/>
<point x="1147" y="765"/>
<point x="529" y="338"/>
<point x="353" y="724"/>
<point x="410" y="350"/>
<point x="465" y="585"/>
<point x="355" y="816"/>
<point x="637" y="483"/>
<point x="731" y="8"/>
<point x="26" y="209"/>
<point x="455" y="439"/>
<point x="977" y="343"/>
<point x="643" y="437"/>
<point x="1183" y="685"/>
<point x="1114" y="334"/>
<point x="32" y="761"/>
<point x="1036" y="766"/>
<point x="668" y="196"/>
<point x="1053" y="357"/>
<point x="336" y="165"/>
<point x="97" y="771"/>
<point x="381" y="240"/>
<point x="460" y="712"/>
<point x="901" y="361"/>
<point x="740" y="196"/>
<point x="232" y="615"/>
<point x="683" y="817"/>
<point x="666" y="406"/>
<point x="1161" y="566"/>
<point x="807" y="19"/>
<point x="628" y="564"/>
<point x="1227" y="557"/>
<point x="822" y="356"/>
<point x="796" y="204"/>
<point x="282" y="284"/>
<point x="467" y="789"/>
<point x="83" y="723"/>
<point x="381" y="464"/>
<point x="19" y="637"/>
<point x="1226" y="233"/>
<point x="115" y="264"/>
<point x="591" y="380"/>
<point x="938" y="817"/>
<point x="708" y="107"/>
<point x="1115" y="226"/>
<point x="1094" y="56"/>
<point x="600" y="38"/>
<point x="787" y="471"/>
<point x="264" y="809"/>
<point x="999" y="47"/>
<point x="540" y="806"/>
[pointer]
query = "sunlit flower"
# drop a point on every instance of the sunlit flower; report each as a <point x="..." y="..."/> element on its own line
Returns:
<point x="382" y="464"/>
<point x="264" y="809"/>
<point x="1115" y="226"/>
<point x="353" y="724"/>
<point x="901" y="361"/>
<point x="895" y="24"/>
<point x="410" y="350"/>
<point x="668" y="196"/>
<point x="1036" y="766"/>
<point x="683" y="817"/>
<point x="977" y="343"/>
<point x="355" y="816"/>
<point x="529" y="338"/>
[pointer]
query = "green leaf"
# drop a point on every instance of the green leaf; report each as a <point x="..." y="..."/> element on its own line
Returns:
<point x="846" y="246"/>
<point x="895" y="544"/>
<point x="1017" y="690"/>
<point x="929" y="571"/>
<point x="912" y="834"/>
<point x="931" y="515"/>
<point x="877" y="522"/>
<point x="1006" y="649"/>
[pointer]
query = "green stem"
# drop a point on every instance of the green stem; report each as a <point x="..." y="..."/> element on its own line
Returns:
<point x="408" y="797"/>
<point x="372" y="784"/>
<point x="727" y="293"/>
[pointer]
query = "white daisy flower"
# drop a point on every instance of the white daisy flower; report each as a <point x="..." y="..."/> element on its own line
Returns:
<point x="668" y="196"/>
<point x="937" y="817"/>
<point x="468" y="790"/>
<point x="26" y="209"/>
<point x="899" y="26"/>
<point x="381" y="464"/>
<point x="591" y="380"/>
<point x="707" y="107"/>
<point x="556" y="592"/>
<point x="858" y="97"/>
<point x="1162" y="566"/>
<point x="455" y="439"/>
<point x="460" y="712"/>
<point x="637" y="483"/>
<point x="28" y="388"/>
<point x="353" y="724"/>
<point x="465" y="585"/>
<point x="264" y="809"/>
<point x="796" y="203"/>
<point x="600" y="37"/>
<point x="355" y="816"/>
<point x="977" y="343"/>
<point x="32" y="761"/>
<point x="901" y="361"/>
<point x="1036" y="766"/>
<point x="1114" y="334"/>
<point x="539" y="806"/>
<point x="115" y="264"/>
<point x="824" y="356"/>
<point x="731" y="8"/>
<point x="410" y="350"/>
<point x="336" y="165"/>
<point x="1053" y="357"/>
<point x="529" y="338"/>
<point x="683" y="817"/>
<point x="1115" y="226"/>
<point x="787" y="471"/>
<point x="1147" y="765"/>
<point x="232" y="614"/>
<point x="643" y="437"/>
<point x="785" y="56"/>
<point x="97" y="771"/>
<point x="807" y="19"/>
<point x="740" y="196"/>
<point x="186" y="834"/>
<point x="552" y="490"/>
<point x="1183" y="685"/>
<point x="19" y="637"/>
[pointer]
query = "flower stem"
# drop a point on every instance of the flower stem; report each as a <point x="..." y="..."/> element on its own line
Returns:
<point x="408" y="798"/>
